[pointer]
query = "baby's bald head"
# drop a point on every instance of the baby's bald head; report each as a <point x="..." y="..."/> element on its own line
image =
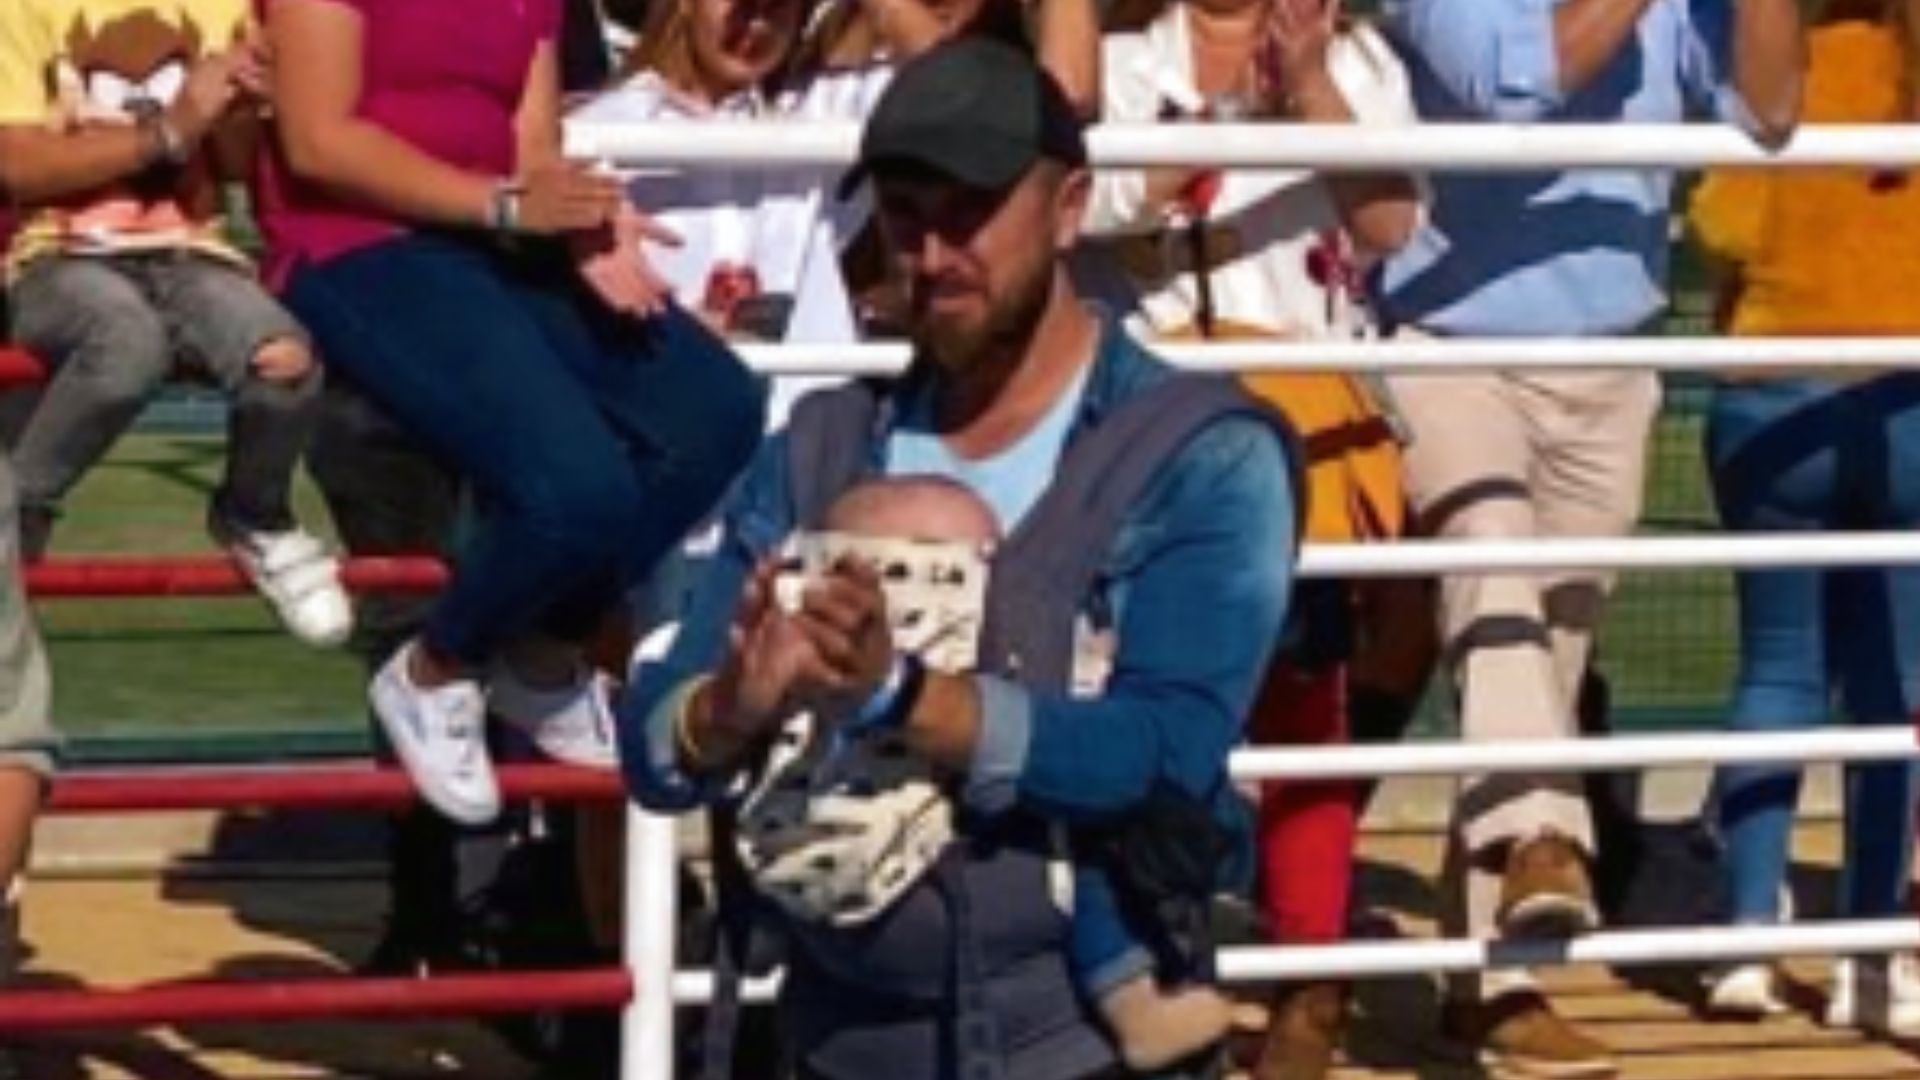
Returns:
<point x="924" y="508"/>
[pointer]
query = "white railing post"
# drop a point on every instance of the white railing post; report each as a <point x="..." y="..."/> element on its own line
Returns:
<point x="652" y="901"/>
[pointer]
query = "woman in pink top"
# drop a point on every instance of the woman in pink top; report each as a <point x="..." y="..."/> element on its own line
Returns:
<point x="492" y="297"/>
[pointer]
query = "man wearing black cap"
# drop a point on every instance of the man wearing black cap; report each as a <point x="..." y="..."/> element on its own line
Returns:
<point x="1148" y="510"/>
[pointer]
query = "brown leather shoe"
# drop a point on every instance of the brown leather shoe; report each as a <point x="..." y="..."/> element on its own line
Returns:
<point x="1547" y="892"/>
<point x="1520" y="1037"/>
<point x="1304" y="1032"/>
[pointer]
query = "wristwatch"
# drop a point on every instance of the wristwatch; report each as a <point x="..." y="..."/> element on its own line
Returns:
<point x="503" y="207"/>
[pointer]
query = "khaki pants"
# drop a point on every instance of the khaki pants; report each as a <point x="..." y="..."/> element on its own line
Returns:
<point x="1509" y="456"/>
<point x="27" y="737"/>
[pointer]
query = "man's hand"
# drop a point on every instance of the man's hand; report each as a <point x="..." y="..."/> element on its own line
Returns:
<point x="613" y="262"/>
<point x="753" y="694"/>
<point x="844" y="618"/>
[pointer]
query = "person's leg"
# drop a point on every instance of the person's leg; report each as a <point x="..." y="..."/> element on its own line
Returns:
<point x="388" y="497"/>
<point x="1154" y="1027"/>
<point x="28" y="742"/>
<point x="1307" y="830"/>
<point x="95" y="327"/>
<point x="1307" y="834"/>
<point x="223" y="322"/>
<point x="226" y="323"/>
<point x="687" y="409"/>
<point x="1772" y="464"/>
<point x="1874" y="640"/>
<point x="1591" y="432"/>
<point x="424" y="326"/>
<point x="427" y="328"/>
<point x="1873" y="637"/>
<point x="1515" y="858"/>
<point x="1877" y="641"/>
<point x="1467" y="474"/>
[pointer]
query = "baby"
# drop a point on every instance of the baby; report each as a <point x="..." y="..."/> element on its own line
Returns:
<point x="1155" y="1026"/>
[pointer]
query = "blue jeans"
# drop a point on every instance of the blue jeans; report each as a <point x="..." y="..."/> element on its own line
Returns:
<point x="1813" y="456"/>
<point x="592" y="442"/>
<point x="1101" y="948"/>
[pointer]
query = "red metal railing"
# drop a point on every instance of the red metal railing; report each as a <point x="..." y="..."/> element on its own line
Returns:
<point x="329" y="998"/>
<point x="363" y="787"/>
<point x="103" y="578"/>
<point x="391" y="999"/>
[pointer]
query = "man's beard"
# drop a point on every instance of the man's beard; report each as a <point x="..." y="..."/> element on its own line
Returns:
<point x="1009" y="324"/>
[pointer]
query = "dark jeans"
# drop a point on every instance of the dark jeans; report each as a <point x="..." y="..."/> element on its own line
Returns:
<point x="592" y="442"/>
<point x="113" y="329"/>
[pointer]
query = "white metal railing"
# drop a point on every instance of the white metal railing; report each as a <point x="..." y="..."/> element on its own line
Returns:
<point x="1750" y="551"/>
<point x="653" y="844"/>
<point x="651" y="896"/>
<point x="1678" y="945"/>
<point x="1577" y="755"/>
<point x="1402" y="957"/>
<point x="1858" y="355"/>
<point x="1328" y="147"/>
<point x="1386" y="959"/>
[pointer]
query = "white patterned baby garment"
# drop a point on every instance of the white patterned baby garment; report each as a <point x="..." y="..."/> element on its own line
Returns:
<point x="837" y="830"/>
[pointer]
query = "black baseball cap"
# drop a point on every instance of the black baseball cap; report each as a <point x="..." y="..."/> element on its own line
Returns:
<point x="974" y="110"/>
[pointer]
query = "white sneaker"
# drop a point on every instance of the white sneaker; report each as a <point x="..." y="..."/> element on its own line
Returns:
<point x="1745" y="992"/>
<point x="571" y="723"/>
<point x="440" y="737"/>
<point x="1877" y="994"/>
<point x="298" y="576"/>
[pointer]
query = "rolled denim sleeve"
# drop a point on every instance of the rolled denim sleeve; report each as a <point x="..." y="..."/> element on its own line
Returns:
<point x="1000" y="753"/>
<point x="1202" y="612"/>
<point x="1496" y="58"/>
<point x="753" y="521"/>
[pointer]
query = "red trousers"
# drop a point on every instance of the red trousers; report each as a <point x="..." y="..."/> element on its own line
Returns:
<point x="1307" y="829"/>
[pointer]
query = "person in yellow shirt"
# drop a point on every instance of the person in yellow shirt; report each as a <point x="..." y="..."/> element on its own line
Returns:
<point x="121" y="120"/>
<point x="1804" y="253"/>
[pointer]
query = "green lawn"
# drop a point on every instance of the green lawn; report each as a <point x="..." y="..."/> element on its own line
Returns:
<point x="1668" y="641"/>
<point x="218" y="674"/>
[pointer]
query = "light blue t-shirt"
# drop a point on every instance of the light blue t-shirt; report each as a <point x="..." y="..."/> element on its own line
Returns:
<point x="1580" y="252"/>
<point x="1011" y="481"/>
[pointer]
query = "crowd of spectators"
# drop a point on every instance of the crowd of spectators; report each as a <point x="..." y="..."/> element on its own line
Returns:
<point x="954" y="661"/>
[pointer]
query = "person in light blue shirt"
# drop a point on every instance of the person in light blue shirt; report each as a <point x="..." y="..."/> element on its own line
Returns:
<point x="1506" y="454"/>
<point x="1580" y="251"/>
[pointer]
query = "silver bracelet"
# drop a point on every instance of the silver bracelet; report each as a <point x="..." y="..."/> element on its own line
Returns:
<point x="503" y="207"/>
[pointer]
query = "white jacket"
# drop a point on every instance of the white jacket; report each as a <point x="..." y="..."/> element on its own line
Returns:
<point x="1276" y="217"/>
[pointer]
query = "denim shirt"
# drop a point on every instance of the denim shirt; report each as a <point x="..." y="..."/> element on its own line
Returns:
<point x="1196" y="585"/>
<point x="1576" y="252"/>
